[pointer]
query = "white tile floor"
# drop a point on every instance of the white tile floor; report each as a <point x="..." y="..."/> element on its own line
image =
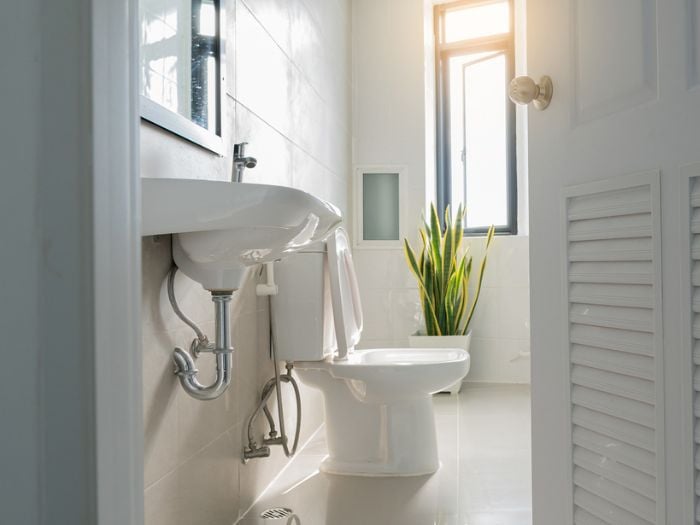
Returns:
<point x="484" y="440"/>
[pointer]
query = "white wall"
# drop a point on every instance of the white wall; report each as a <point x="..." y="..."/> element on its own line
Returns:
<point x="393" y="91"/>
<point x="288" y="69"/>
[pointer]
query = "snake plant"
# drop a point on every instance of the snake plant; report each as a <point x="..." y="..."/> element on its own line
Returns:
<point x="443" y="274"/>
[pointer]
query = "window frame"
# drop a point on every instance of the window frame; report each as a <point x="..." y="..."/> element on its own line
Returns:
<point x="501" y="43"/>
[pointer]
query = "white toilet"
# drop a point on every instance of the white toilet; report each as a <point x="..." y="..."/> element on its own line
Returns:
<point x="378" y="406"/>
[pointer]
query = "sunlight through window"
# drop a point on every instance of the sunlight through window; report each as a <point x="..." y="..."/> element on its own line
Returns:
<point x="477" y="134"/>
<point x="468" y="22"/>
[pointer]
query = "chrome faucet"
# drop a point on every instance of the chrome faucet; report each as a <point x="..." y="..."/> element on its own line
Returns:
<point x="241" y="162"/>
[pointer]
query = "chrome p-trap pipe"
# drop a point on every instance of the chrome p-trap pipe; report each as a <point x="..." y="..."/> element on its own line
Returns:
<point x="222" y="349"/>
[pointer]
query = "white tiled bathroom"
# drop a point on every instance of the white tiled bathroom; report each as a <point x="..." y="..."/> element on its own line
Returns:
<point x="368" y="262"/>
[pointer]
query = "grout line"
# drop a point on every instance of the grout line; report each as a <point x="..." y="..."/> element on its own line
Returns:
<point x="288" y="138"/>
<point x="291" y="60"/>
<point x="279" y="474"/>
<point x="191" y="456"/>
<point x="480" y="383"/>
<point x="491" y="338"/>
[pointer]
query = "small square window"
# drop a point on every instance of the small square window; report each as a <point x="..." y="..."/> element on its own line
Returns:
<point x="380" y="207"/>
<point x="378" y="218"/>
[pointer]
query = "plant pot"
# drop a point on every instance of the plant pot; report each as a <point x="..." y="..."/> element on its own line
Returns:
<point x="442" y="341"/>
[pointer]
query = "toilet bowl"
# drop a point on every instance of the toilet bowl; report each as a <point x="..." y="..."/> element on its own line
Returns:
<point x="378" y="406"/>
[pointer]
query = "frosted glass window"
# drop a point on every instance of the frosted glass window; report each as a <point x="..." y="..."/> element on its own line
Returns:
<point x="380" y="206"/>
<point x="465" y="23"/>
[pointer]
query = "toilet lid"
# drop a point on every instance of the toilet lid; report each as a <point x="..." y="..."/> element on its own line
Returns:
<point x="345" y="294"/>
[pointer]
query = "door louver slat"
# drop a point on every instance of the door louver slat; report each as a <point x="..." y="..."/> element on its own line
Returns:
<point x="613" y="427"/>
<point x="617" y="472"/>
<point x="581" y="517"/>
<point x="615" y="493"/>
<point x="627" y="364"/>
<point x="612" y="295"/>
<point x="616" y="450"/>
<point x="620" y="340"/>
<point x="695" y="283"/>
<point x="633" y="319"/>
<point x="637" y="249"/>
<point x="613" y="332"/>
<point x="605" y="510"/>
<point x="611" y="383"/>
<point x="616" y="406"/>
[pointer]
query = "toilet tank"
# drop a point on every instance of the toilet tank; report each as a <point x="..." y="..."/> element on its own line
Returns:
<point x="301" y="311"/>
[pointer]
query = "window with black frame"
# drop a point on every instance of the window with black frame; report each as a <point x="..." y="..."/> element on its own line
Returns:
<point x="476" y="165"/>
<point x="182" y="68"/>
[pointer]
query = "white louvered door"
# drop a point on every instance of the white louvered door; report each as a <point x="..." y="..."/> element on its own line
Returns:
<point x="613" y="168"/>
<point x="694" y="277"/>
<point x="614" y="341"/>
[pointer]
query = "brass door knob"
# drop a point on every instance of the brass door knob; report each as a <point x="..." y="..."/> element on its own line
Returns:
<point x="523" y="90"/>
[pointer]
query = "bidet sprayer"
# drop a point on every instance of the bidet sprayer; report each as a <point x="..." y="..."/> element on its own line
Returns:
<point x="241" y="162"/>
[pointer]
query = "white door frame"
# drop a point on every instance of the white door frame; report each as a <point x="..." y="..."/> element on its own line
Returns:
<point x="116" y="210"/>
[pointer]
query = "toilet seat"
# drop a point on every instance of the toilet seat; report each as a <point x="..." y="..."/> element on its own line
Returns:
<point x="345" y="294"/>
<point x="396" y="373"/>
<point x="375" y="362"/>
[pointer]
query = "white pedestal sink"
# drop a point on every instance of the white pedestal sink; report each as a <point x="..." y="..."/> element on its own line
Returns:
<point x="220" y="228"/>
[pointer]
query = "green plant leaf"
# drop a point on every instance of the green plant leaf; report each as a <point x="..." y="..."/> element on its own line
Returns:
<point x="423" y="237"/>
<point x="458" y="229"/>
<point x="451" y="304"/>
<point x="448" y="260"/>
<point x="435" y="236"/>
<point x="480" y="279"/>
<point x="464" y="295"/>
<point x="411" y="259"/>
<point x="424" y="278"/>
<point x="431" y="299"/>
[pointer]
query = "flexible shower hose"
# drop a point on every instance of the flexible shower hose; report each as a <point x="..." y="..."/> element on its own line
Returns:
<point x="274" y="384"/>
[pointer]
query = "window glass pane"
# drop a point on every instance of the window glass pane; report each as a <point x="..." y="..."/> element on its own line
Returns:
<point x="464" y="23"/>
<point x="179" y="57"/>
<point x="479" y="147"/>
<point x="456" y="138"/>
<point x="380" y="206"/>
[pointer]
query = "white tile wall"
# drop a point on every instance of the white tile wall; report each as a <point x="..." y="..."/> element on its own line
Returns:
<point x="501" y="325"/>
<point x="288" y="81"/>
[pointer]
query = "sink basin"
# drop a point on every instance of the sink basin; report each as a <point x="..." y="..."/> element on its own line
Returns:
<point x="221" y="228"/>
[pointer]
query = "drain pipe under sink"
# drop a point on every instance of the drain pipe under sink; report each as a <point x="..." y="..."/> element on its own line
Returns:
<point x="185" y="367"/>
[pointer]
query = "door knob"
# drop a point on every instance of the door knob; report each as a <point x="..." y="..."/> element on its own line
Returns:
<point x="523" y="90"/>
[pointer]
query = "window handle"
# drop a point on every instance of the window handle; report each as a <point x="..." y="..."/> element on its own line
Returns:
<point x="523" y="90"/>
